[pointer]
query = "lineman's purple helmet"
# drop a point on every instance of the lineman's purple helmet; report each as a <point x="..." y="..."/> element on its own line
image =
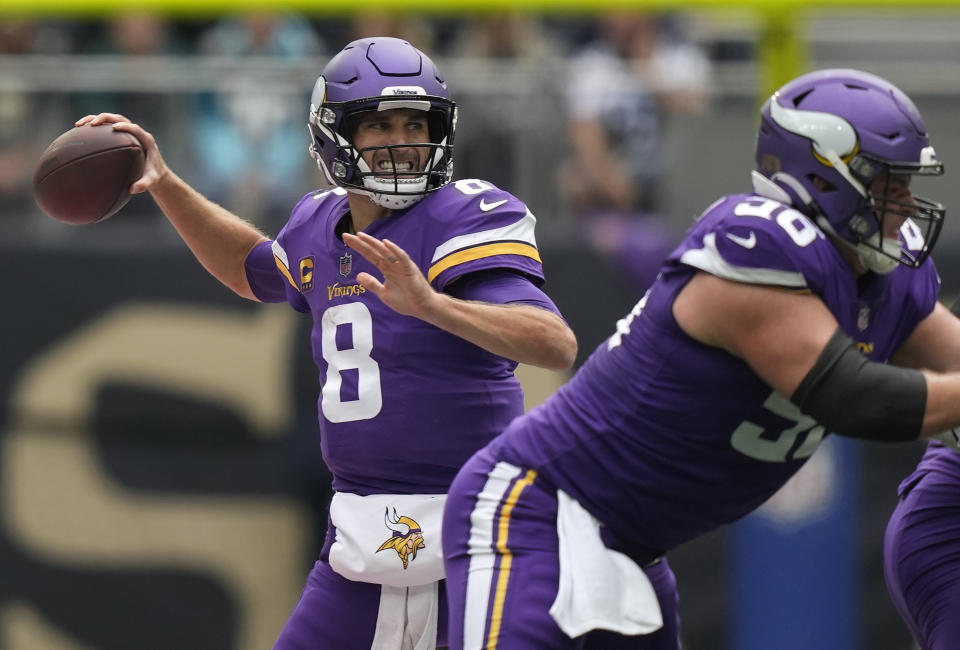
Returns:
<point x="826" y="136"/>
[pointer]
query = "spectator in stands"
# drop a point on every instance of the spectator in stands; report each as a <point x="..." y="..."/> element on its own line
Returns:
<point x="131" y="34"/>
<point x="622" y="87"/>
<point x="245" y="130"/>
<point x="27" y="117"/>
<point x="136" y="35"/>
<point x="503" y="119"/>
<point x="414" y="29"/>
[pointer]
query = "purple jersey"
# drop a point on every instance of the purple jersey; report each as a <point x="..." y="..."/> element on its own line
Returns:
<point x="937" y="459"/>
<point x="663" y="438"/>
<point x="921" y="546"/>
<point x="403" y="404"/>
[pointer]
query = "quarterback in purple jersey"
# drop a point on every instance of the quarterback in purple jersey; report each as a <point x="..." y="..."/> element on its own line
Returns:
<point x="807" y="306"/>
<point x="921" y="549"/>
<point x="424" y="294"/>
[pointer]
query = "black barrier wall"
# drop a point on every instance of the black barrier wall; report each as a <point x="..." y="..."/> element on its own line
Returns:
<point x="157" y="489"/>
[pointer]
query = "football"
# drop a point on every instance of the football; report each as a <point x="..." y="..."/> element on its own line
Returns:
<point x="84" y="175"/>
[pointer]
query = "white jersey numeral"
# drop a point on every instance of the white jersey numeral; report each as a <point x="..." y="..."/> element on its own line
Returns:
<point x="795" y="223"/>
<point x="472" y="186"/>
<point x="912" y="236"/>
<point x="748" y="437"/>
<point x="623" y="325"/>
<point x="369" y="400"/>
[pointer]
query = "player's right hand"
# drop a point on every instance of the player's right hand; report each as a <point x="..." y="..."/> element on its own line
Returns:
<point x="154" y="168"/>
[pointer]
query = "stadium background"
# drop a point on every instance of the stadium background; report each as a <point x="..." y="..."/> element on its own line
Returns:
<point x="160" y="479"/>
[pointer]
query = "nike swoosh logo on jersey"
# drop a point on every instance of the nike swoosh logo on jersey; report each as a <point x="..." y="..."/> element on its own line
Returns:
<point x="746" y="242"/>
<point x="487" y="207"/>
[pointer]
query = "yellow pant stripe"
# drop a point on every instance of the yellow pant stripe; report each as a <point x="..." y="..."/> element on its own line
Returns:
<point x="506" y="558"/>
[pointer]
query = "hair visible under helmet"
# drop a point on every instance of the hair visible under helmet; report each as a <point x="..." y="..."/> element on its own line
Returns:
<point x="377" y="74"/>
<point x="825" y="137"/>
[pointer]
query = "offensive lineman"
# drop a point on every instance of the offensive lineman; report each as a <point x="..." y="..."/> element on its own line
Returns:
<point x="769" y="325"/>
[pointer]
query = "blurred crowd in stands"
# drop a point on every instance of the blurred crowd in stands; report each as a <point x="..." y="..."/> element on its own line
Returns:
<point x="244" y="142"/>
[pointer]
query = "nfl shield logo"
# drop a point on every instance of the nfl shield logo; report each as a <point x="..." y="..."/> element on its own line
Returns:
<point x="346" y="264"/>
<point x="863" y="318"/>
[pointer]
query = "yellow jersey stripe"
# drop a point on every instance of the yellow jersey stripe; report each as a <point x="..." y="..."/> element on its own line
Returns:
<point x="506" y="558"/>
<point x="285" y="271"/>
<point x="478" y="252"/>
<point x="521" y="231"/>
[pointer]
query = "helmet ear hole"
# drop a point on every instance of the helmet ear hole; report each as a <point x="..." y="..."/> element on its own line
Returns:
<point x="822" y="183"/>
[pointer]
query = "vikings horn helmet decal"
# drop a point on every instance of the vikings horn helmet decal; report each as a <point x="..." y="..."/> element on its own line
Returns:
<point x="829" y="134"/>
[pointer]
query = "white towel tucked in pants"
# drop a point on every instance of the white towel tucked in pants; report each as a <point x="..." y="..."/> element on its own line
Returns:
<point x="407" y="619"/>
<point x="600" y="589"/>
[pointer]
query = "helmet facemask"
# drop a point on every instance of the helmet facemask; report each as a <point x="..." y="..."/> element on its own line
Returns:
<point x="394" y="185"/>
<point x="889" y="198"/>
<point x="395" y="189"/>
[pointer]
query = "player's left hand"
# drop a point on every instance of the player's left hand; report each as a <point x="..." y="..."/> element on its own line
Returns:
<point x="404" y="288"/>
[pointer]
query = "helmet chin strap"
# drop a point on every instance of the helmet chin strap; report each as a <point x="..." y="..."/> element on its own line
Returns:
<point x="871" y="258"/>
<point x="388" y="201"/>
<point x="879" y="262"/>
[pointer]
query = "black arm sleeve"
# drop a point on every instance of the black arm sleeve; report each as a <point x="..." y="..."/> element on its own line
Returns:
<point x="858" y="398"/>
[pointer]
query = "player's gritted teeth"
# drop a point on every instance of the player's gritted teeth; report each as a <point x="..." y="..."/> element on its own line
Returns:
<point x="406" y="166"/>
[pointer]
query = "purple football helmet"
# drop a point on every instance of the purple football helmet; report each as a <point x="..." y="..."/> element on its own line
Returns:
<point x="380" y="74"/>
<point x="825" y="137"/>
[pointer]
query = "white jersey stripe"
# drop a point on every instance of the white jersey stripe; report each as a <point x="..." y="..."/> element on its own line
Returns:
<point x="522" y="230"/>
<point x="280" y="254"/>
<point x="709" y="259"/>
